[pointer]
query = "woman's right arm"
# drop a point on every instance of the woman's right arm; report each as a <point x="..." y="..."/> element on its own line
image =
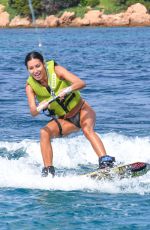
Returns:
<point x="31" y="100"/>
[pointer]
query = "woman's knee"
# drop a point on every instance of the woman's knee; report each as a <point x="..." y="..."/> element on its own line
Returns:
<point x="88" y="131"/>
<point x="45" y="132"/>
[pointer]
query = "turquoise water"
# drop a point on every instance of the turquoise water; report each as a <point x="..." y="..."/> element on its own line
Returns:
<point x="114" y="62"/>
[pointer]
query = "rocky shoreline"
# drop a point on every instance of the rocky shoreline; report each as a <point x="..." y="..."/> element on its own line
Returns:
<point x="135" y="15"/>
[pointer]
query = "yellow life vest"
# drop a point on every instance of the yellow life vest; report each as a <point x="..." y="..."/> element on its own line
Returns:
<point x="59" y="108"/>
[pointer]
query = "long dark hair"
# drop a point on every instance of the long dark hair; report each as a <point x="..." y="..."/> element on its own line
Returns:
<point x="33" y="55"/>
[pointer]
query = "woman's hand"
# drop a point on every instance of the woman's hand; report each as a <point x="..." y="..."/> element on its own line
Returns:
<point x="42" y="105"/>
<point x="64" y="92"/>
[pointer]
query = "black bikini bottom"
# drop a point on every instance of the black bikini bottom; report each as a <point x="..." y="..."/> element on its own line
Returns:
<point x="74" y="120"/>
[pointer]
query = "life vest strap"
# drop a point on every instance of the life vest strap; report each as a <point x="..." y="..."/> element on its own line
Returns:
<point x="69" y="99"/>
<point x="62" y="105"/>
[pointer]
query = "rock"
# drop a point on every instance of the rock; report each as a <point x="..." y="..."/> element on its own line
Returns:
<point x="2" y="8"/>
<point x="67" y="18"/>
<point x="137" y="8"/>
<point x="52" y="21"/>
<point x="137" y="15"/>
<point x="4" y="19"/>
<point x="94" y="17"/>
<point x="114" y="20"/>
<point x="20" y="22"/>
<point x="40" y="22"/>
<point x="77" y="22"/>
<point x="139" y="20"/>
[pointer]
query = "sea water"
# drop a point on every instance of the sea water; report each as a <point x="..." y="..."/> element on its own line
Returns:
<point x="114" y="63"/>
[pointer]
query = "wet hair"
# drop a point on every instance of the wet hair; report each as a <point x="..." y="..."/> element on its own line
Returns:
<point x="33" y="55"/>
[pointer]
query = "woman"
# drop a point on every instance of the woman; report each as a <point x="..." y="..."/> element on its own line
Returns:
<point x="69" y="111"/>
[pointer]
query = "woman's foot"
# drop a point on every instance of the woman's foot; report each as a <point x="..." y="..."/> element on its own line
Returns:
<point x="47" y="170"/>
<point x="106" y="161"/>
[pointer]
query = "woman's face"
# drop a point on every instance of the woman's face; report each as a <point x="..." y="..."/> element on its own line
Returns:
<point x="36" y="68"/>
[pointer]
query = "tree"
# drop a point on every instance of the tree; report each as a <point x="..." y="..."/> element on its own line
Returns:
<point x="130" y="2"/>
<point x="22" y="7"/>
<point x="91" y="3"/>
<point x="53" y="6"/>
<point x="41" y="6"/>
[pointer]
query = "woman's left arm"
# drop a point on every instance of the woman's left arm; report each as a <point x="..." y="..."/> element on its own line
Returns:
<point x="76" y="82"/>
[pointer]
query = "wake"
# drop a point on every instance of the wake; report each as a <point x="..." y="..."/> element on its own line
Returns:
<point x="21" y="164"/>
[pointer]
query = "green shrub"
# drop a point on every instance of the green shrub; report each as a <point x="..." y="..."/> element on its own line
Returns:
<point x="132" y="2"/>
<point x="91" y="3"/>
<point x="147" y="5"/>
<point x="83" y="2"/>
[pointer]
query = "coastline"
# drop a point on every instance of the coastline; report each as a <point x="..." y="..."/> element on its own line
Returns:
<point x="135" y="15"/>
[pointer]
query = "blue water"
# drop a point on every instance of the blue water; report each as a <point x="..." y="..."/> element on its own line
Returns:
<point x="114" y="62"/>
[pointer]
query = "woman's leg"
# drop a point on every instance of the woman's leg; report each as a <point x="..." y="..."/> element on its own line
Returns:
<point x="87" y="122"/>
<point x="51" y="130"/>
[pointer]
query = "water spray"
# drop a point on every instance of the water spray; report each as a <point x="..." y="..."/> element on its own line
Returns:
<point x="34" y="23"/>
<point x="40" y="43"/>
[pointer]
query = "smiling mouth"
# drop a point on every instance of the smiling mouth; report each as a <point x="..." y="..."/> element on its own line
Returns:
<point x="37" y="75"/>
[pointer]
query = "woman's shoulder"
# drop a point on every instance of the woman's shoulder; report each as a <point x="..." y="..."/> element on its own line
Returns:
<point x="52" y="62"/>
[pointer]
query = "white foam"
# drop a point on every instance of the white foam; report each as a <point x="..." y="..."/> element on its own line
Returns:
<point x="69" y="153"/>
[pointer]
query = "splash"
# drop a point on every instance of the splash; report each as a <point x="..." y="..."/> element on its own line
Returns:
<point x="34" y="24"/>
<point x="21" y="163"/>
